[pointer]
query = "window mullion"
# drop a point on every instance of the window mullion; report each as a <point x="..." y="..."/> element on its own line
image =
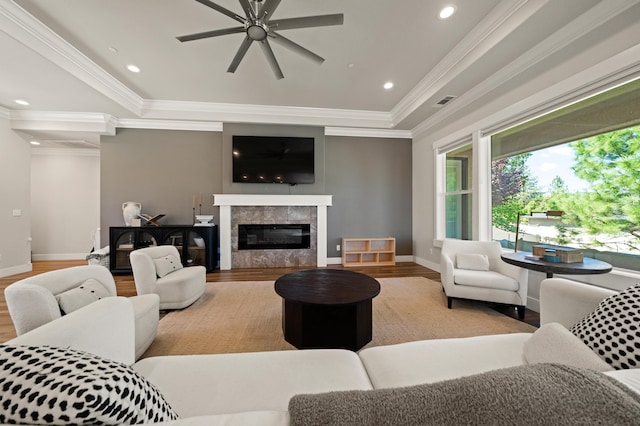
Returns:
<point x="481" y="187"/>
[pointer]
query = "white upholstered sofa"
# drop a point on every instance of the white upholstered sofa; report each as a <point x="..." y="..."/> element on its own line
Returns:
<point x="39" y="299"/>
<point x="255" y="388"/>
<point x="158" y="270"/>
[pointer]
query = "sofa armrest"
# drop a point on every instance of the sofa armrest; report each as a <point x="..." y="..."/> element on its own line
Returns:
<point x="105" y="328"/>
<point x="144" y="271"/>
<point x="30" y="306"/>
<point x="446" y="271"/>
<point x="567" y="302"/>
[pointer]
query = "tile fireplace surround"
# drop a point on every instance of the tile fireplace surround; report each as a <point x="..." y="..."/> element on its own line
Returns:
<point x="227" y="201"/>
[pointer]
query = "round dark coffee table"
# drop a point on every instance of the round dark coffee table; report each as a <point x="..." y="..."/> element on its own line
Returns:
<point x="327" y="308"/>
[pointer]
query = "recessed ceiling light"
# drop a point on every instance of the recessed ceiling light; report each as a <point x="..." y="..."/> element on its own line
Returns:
<point x="388" y="85"/>
<point x="351" y="65"/>
<point x="21" y="102"/>
<point x="446" y="12"/>
<point x="36" y="143"/>
<point x="133" y="68"/>
<point x="113" y="49"/>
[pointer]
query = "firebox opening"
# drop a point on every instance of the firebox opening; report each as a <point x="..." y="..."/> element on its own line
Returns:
<point x="274" y="236"/>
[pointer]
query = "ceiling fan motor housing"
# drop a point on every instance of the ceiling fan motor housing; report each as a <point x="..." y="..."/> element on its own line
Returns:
<point x="257" y="30"/>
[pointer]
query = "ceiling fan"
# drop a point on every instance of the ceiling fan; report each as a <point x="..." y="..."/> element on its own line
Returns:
<point x="259" y="27"/>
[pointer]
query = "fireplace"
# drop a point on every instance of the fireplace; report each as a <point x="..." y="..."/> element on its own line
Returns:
<point x="278" y="208"/>
<point x="274" y="236"/>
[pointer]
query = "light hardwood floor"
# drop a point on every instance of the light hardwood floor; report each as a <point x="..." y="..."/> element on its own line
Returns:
<point x="126" y="287"/>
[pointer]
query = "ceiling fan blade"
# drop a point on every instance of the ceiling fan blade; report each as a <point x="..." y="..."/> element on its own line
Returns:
<point x="307" y="21"/>
<point x="223" y="10"/>
<point x="248" y="10"/>
<point x="267" y="10"/>
<point x="242" y="50"/>
<point x="285" y="42"/>
<point x="271" y="58"/>
<point x="207" y="34"/>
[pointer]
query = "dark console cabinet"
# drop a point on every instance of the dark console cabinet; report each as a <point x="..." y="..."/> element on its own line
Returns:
<point x="197" y="245"/>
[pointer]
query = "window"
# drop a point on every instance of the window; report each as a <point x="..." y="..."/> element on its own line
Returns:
<point x="583" y="160"/>
<point x="458" y="196"/>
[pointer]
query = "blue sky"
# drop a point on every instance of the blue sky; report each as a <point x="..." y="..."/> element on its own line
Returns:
<point x="546" y="164"/>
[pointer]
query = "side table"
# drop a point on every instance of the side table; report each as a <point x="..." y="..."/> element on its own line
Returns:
<point x="588" y="266"/>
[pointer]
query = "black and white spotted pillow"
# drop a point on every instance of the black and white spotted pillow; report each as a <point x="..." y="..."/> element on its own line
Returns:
<point x="613" y="329"/>
<point x="45" y="385"/>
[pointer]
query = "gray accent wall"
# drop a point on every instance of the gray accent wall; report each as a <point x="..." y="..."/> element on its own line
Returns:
<point x="369" y="178"/>
<point x="163" y="170"/>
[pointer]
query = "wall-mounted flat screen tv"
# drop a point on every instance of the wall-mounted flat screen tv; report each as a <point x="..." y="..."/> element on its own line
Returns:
<point x="273" y="159"/>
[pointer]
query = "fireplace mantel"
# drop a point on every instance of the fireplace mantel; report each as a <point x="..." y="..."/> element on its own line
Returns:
<point x="226" y="201"/>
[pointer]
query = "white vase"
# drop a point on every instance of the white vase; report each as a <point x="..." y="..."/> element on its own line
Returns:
<point x="130" y="210"/>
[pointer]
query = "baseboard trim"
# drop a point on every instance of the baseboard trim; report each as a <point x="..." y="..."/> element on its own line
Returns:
<point x="60" y="256"/>
<point x="427" y="264"/>
<point x="13" y="270"/>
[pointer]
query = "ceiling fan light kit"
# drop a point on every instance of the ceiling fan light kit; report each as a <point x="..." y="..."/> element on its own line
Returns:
<point x="258" y="26"/>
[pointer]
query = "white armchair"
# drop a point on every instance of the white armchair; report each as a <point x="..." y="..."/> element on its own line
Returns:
<point x="42" y="298"/>
<point x="474" y="270"/>
<point x="176" y="286"/>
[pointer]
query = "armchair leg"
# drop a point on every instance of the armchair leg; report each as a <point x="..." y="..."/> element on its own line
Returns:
<point x="520" y="310"/>
<point x="449" y="301"/>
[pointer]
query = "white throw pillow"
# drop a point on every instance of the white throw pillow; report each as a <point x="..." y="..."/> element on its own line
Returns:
<point x="472" y="261"/>
<point x="552" y="343"/>
<point x="166" y="264"/>
<point x="88" y="292"/>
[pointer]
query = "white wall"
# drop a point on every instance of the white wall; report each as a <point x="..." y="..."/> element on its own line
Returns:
<point x="65" y="203"/>
<point x="14" y="195"/>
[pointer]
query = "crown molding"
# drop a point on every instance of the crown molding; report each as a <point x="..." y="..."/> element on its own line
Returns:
<point x="5" y="113"/>
<point x="499" y="23"/>
<point x="66" y="152"/>
<point x="619" y="69"/>
<point x="22" y="26"/>
<point x="368" y="133"/>
<point x="580" y="26"/>
<point x="241" y="113"/>
<point x="201" y="126"/>
<point x="63" y="121"/>
<point x="105" y="124"/>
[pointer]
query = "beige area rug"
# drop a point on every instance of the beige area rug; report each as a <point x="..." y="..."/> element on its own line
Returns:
<point x="247" y="317"/>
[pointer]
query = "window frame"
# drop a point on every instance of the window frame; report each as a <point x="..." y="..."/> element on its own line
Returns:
<point x="480" y="191"/>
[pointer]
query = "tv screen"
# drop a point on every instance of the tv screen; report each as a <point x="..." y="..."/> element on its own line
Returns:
<point x="271" y="159"/>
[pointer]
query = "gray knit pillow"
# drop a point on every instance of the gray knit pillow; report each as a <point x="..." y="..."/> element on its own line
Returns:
<point x="45" y="385"/>
<point x="613" y="329"/>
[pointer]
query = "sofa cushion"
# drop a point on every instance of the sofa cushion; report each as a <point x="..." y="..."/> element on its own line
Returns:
<point x="238" y="382"/>
<point x="88" y="292"/>
<point x="427" y="361"/>
<point x="553" y="343"/>
<point x="245" y="418"/>
<point x="472" y="261"/>
<point x="166" y="264"/>
<point x="612" y="330"/>
<point x="46" y="385"/>
<point x="484" y="279"/>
